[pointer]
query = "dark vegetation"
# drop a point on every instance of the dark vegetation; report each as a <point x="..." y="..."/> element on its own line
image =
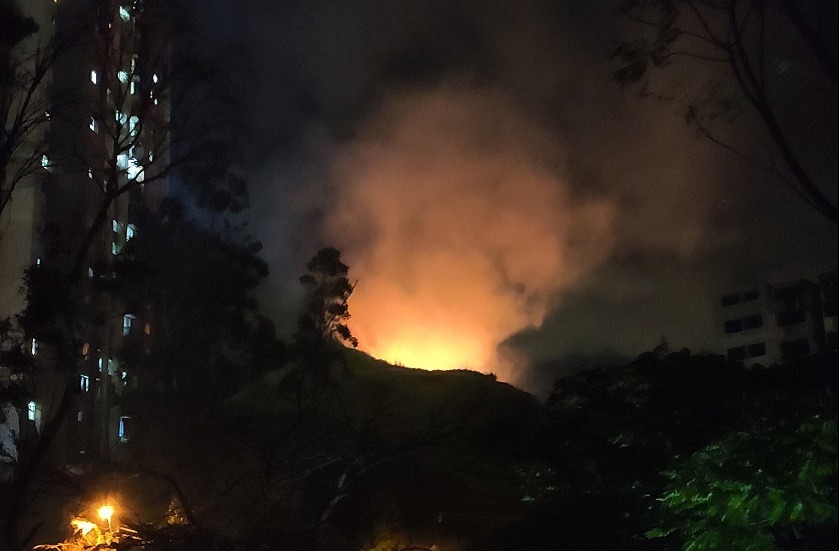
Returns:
<point x="250" y="442"/>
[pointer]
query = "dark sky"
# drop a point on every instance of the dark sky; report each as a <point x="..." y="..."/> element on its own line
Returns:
<point x="329" y="88"/>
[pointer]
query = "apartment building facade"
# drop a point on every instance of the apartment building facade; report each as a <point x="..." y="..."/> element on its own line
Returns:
<point x="770" y="324"/>
<point x="105" y="158"/>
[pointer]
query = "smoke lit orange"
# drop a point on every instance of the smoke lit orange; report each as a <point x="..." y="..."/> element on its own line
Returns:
<point x="455" y="218"/>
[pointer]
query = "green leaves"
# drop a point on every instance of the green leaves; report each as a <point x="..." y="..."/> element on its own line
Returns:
<point x="732" y="493"/>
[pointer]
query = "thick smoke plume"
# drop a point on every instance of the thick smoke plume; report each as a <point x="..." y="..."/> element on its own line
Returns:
<point x="453" y="213"/>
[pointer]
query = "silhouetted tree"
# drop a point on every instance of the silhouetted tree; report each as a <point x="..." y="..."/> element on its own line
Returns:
<point x="192" y="293"/>
<point x="328" y="290"/>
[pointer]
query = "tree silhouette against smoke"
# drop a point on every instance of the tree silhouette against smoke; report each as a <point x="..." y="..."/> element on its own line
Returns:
<point x="326" y="309"/>
<point x="746" y="38"/>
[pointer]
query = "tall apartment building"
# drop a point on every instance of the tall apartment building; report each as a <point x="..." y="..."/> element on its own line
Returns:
<point x="105" y="156"/>
<point x="770" y="324"/>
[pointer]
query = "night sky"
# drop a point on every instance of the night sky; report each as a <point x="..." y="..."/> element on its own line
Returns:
<point x="476" y="164"/>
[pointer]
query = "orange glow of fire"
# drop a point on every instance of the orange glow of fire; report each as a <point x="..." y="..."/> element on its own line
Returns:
<point x="458" y="222"/>
<point x="432" y="352"/>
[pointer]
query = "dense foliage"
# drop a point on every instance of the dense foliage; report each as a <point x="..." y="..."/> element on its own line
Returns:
<point x="689" y="447"/>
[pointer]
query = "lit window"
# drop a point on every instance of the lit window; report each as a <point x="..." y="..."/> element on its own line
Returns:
<point x="124" y="375"/>
<point x="130" y="231"/>
<point x="45" y="161"/>
<point x="132" y="87"/>
<point x="37" y="261"/>
<point x="115" y="249"/>
<point x="128" y="319"/>
<point x="120" y="117"/>
<point x="85" y="349"/>
<point x="147" y="328"/>
<point x="94" y="125"/>
<point x="90" y="273"/>
<point x="100" y="362"/>
<point x="155" y="101"/>
<point x="134" y="170"/>
<point x="155" y="78"/>
<point x="122" y="161"/>
<point x="113" y="365"/>
<point x="90" y="173"/>
<point x="115" y="226"/>
<point x="122" y="432"/>
<point x="84" y="383"/>
<point x="33" y="347"/>
<point x="124" y="15"/>
<point x="79" y="416"/>
<point x="134" y="64"/>
<point x="133" y="123"/>
<point x="31" y="407"/>
<point x="123" y="76"/>
<point x="94" y="76"/>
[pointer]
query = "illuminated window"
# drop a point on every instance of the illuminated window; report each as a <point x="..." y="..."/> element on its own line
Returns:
<point x="85" y="349"/>
<point x="130" y="231"/>
<point x="84" y="383"/>
<point x="90" y="173"/>
<point x="133" y="123"/>
<point x="115" y="226"/>
<point x="134" y="170"/>
<point x="37" y="261"/>
<point x="120" y="117"/>
<point x="147" y="328"/>
<point x="33" y="347"/>
<point x="100" y="362"/>
<point x="94" y="76"/>
<point x="113" y="366"/>
<point x="128" y="319"/>
<point x="90" y="273"/>
<point x="155" y="78"/>
<point x="132" y="87"/>
<point x="94" y="125"/>
<point x="31" y="408"/>
<point x="123" y="430"/>
<point x="79" y="416"/>
<point x="123" y="76"/>
<point x="124" y="15"/>
<point x="45" y="162"/>
<point x="115" y="249"/>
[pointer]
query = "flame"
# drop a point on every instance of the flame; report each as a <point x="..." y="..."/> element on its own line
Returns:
<point x="454" y="215"/>
<point x="82" y="525"/>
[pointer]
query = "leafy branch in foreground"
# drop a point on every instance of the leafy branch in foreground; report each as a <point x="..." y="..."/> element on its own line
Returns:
<point x="753" y="490"/>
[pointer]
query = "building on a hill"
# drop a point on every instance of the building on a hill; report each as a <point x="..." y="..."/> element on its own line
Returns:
<point x="770" y="324"/>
